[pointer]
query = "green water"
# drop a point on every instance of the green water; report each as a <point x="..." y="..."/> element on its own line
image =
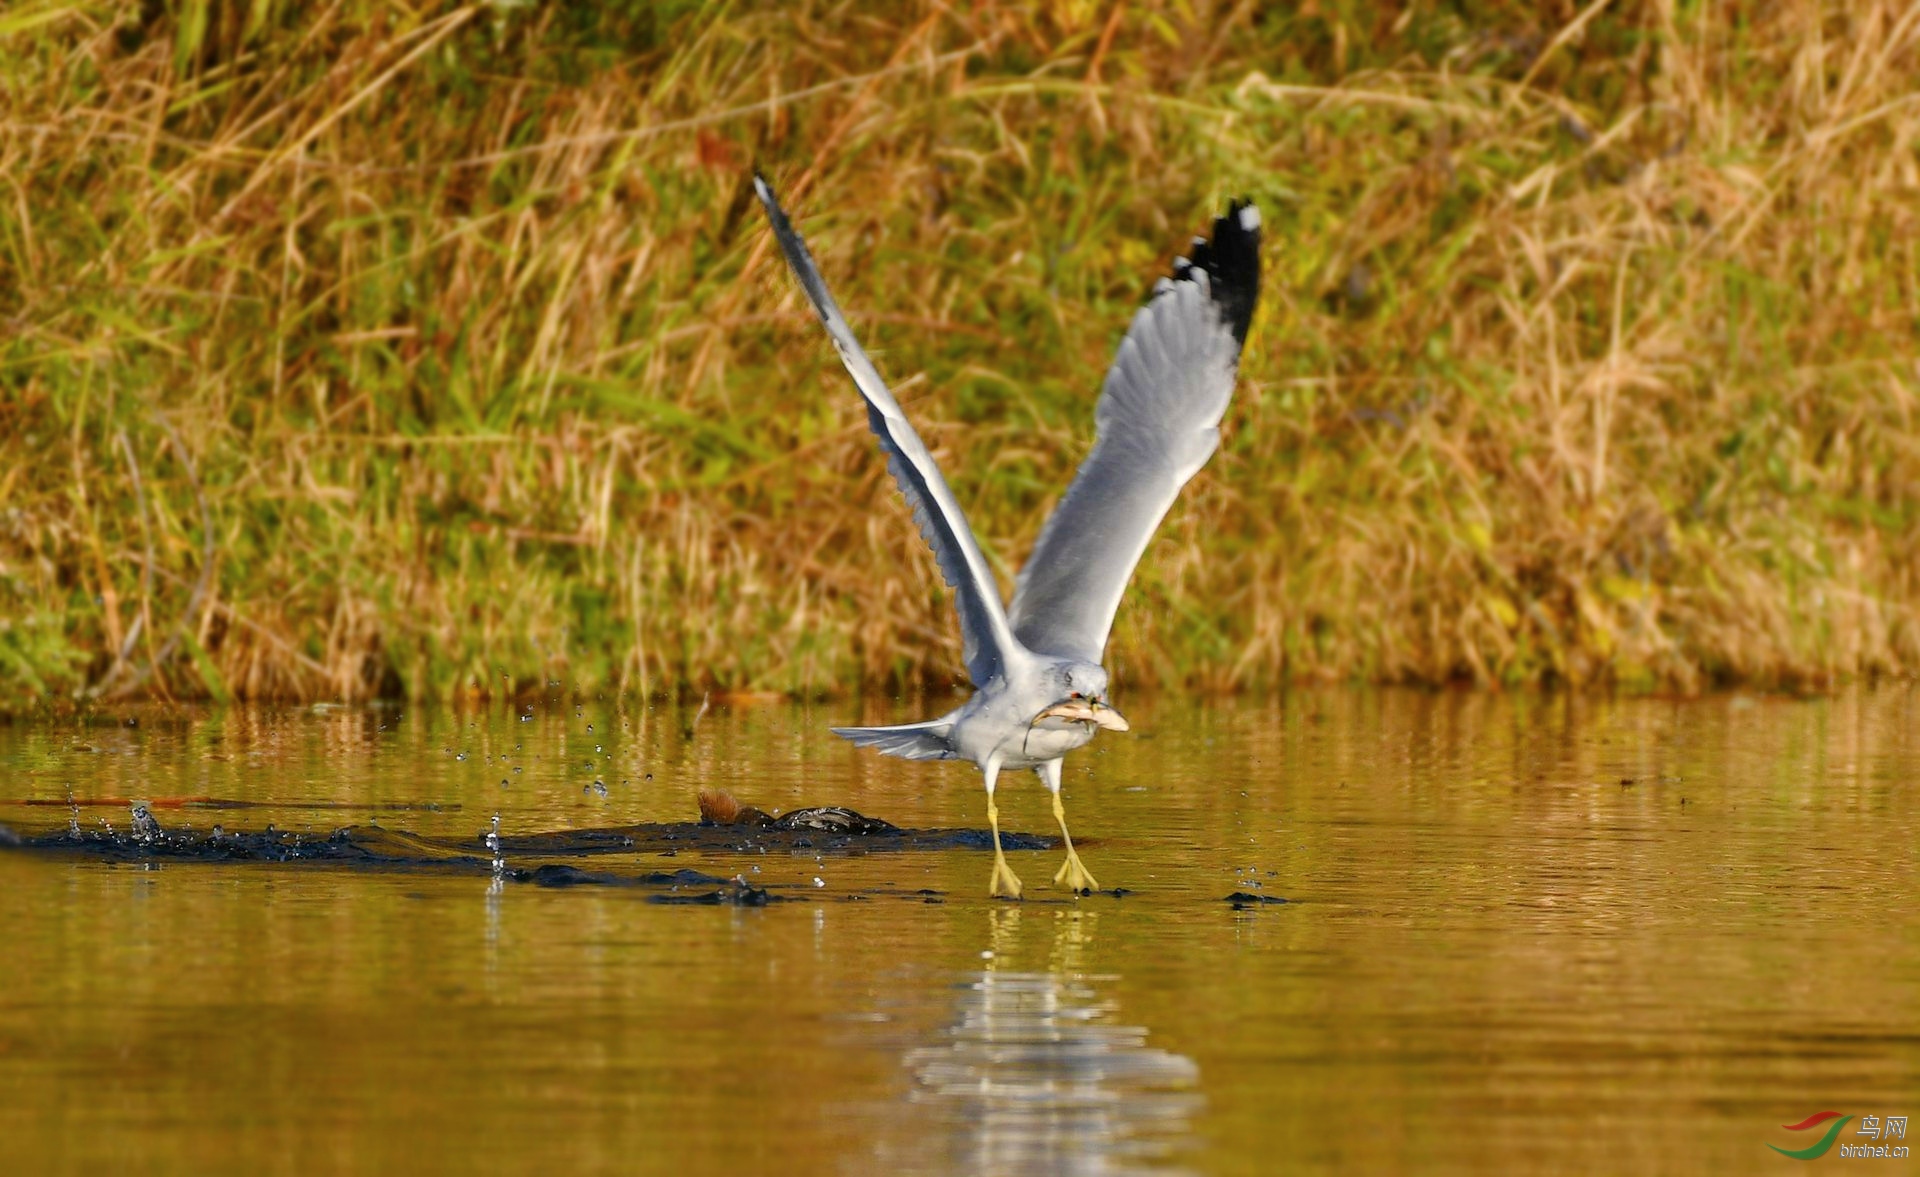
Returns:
<point x="1545" y="934"/>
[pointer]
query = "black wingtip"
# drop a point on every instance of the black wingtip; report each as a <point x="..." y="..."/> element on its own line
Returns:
<point x="1231" y="261"/>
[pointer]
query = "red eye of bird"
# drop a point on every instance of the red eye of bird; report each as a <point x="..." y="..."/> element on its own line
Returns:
<point x="1073" y="694"/>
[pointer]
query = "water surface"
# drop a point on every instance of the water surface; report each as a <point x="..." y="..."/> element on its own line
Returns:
<point x="1554" y="933"/>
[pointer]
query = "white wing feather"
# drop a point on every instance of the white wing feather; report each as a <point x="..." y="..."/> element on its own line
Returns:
<point x="986" y="637"/>
<point x="1156" y="425"/>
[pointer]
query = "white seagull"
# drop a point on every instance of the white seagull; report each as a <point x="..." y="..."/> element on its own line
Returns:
<point x="1040" y="691"/>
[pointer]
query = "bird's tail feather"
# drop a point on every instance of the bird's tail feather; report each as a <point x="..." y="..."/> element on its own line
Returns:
<point x="909" y="741"/>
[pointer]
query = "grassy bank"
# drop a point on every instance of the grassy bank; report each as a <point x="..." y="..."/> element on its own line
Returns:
<point x="350" y="352"/>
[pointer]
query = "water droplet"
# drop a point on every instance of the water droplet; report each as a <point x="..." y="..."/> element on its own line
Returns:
<point x="818" y="881"/>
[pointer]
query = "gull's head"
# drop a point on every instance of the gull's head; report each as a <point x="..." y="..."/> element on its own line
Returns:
<point x="1080" y="696"/>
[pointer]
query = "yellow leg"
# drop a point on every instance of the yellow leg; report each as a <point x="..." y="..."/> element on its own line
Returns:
<point x="1073" y="873"/>
<point x="1005" y="884"/>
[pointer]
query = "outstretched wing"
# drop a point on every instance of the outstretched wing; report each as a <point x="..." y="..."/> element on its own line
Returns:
<point x="1157" y="423"/>
<point x="986" y="638"/>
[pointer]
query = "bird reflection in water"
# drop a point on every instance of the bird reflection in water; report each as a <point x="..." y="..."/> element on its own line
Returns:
<point x="1035" y="1075"/>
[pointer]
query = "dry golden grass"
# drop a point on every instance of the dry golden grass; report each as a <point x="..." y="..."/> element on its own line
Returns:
<point x="353" y="352"/>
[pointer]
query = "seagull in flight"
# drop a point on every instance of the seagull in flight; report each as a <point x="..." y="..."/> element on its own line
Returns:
<point x="1039" y="689"/>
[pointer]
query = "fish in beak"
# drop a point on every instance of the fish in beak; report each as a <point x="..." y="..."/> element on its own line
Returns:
<point x="1093" y="711"/>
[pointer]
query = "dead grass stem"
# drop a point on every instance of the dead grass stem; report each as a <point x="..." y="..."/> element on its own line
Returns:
<point x="374" y="351"/>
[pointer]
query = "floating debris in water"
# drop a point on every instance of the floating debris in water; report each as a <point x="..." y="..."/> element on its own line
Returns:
<point x="145" y="827"/>
<point x="720" y="808"/>
<point x="738" y="895"/>
<point x="1242" y="900"/>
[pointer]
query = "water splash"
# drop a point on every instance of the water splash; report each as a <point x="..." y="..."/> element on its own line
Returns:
<point x="493" y="847"/>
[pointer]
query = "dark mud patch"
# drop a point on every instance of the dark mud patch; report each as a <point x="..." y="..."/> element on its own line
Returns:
<point x="558" y="874"/>
<point x="551" y="859"/>
<point x="669" y="837"/>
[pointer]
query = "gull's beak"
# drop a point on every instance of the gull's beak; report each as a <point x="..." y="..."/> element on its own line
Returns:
<point x="1093" y="711"/>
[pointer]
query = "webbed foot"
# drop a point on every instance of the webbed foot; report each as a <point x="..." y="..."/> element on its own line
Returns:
<point x="1006" y="884"/>
<point x="1074" y="876"/>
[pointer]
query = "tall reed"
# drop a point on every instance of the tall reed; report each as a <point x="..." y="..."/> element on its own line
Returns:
<point x="356" y="349"/>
